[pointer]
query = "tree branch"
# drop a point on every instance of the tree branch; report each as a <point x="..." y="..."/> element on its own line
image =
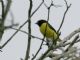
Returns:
<point x="68" y="48"/>
<point x="4" y="15"/>
<point x="75" y="39"/>
<point x="67" y="8"/>
<point x="71" y="35"/>
<point x="37" y="8"/>
<point x="29" y="30"/>
<point x="17" y="30"/>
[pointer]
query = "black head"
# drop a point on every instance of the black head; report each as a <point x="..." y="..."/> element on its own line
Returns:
<point x="40" y="22"/>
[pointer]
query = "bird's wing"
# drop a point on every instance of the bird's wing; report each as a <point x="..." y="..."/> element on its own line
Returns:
<point x="52" y="27"/>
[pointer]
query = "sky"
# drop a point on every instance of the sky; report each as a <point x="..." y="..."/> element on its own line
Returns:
<point x="16" y="48"/>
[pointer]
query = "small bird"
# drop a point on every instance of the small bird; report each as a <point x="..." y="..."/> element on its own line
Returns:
<point x="48" y="31"/>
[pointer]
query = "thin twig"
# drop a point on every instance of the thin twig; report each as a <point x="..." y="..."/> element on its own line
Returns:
<point x="71" y="35"/>
<point x="50" y="48"/>
<point x="43" y="56"/>
<point x="63" y="45"/>
<point x="66" y="54"/>
<point x="26" y="33"/>
<point x="4" y="15"/>
<point x="54" y="48"/>
<point x="2" y="3"/>
<point x="16" y="32"/>
<point x="12" y="36"/>
<point x="29" y="30"/>
<point x="53" y="5"/>
<point x="75" y="39"/>
<point x="71" y="44"/>
<point x="67" y="8"/>
<point x="44" y="34"/>
<point x="9" y="27"/>
<point x="7" y="9"/>
<point x="1" y="21"/>
<point x="12" y="16"/>
<point x="38" y="50"/>
<point x="37" y="7"/>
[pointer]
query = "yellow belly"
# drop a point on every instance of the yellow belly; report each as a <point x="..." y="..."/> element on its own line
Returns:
<point x="47" y="31"/>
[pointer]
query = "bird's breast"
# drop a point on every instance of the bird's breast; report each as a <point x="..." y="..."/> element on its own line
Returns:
<point x="47" y="31"/>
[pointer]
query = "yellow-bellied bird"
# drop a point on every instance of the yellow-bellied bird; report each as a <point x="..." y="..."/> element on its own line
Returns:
<point x="48" y="31"/>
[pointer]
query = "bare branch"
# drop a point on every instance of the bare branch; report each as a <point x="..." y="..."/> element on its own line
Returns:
<point x="2" y="3"/>
<point x="45" y="31"/>
<point x="38" y="50"/>
<point x="66" y="54"/>
<point x="71" y="44"/>
<point x="7" y="9"/>
<point x="12" y="36"/>
<point x="26" y="33"/>
<point x="52" y="4"/>
<point x="1" y="21"/>
<point x="37" y="8"/>
<point x="75" y="39"/>
<point x="67" y="8"/>
<point x="9" y="27"/>
<point x="57" y="46"/>
<point x="17" y="30"/>
<point x="29" y="30"/>
<point x="4" y="15"/>
<point x="71" y="35"/>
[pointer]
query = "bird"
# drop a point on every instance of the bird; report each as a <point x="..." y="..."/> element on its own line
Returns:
<point x="48" y="31"/>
